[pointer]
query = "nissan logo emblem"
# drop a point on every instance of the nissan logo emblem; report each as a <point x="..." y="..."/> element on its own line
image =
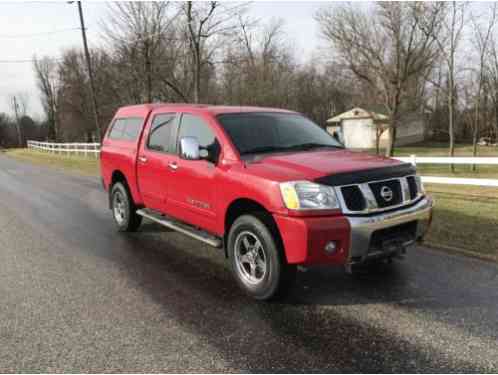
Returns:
<point x="386" y="193"/>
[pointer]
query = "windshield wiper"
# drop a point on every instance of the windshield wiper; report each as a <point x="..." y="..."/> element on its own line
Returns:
<point x="263" y="149"/>
<point x="301" y="146"/>
<point x="310" y="145"/>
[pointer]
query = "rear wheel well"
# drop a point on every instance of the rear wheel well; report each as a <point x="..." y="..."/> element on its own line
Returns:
<point x="245" y="206"/>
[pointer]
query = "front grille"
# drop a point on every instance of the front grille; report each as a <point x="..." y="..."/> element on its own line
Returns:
<point x="387" y="193"/>
<point x="378" y="195"/>
<point x="412" y="184"/>
<point x="354" y="199"/>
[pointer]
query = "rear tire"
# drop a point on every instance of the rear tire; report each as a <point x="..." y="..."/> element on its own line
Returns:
<point x="257" y="259"/>
<point x="123" y="209"/>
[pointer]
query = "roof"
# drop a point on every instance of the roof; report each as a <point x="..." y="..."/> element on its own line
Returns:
<point x="214" y="109"/>
<point x="358" y="113"/>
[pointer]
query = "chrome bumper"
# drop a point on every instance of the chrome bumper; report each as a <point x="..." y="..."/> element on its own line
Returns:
<point x="362" y="228"/>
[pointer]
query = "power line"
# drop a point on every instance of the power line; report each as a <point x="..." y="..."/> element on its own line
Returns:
<point x="12" y="36"/>
<point x="15" y="61"/>
<point x="22" y="61"/>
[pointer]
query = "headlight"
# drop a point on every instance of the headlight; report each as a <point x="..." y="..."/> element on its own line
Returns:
<point x="305" y="195"/>
<point x="420" y="185"/>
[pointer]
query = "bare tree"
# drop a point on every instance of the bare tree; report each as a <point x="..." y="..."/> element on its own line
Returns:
<point x="141" y="34"/>
<point x="482" y="36"/>
<point x="448" y="38"/>
<point x="206" y="22"/>
<point x="492" y="70"/>
<point x="260" y="65"/>
<point x="380" y="128"/>
<point x="16" y="109"/>
<point x="48" y="84"/>
<point x="19" y="103"/>
<point x="387" y="49"/>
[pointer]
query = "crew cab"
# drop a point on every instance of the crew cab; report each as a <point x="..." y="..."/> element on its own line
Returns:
<point x="269" y="186"/>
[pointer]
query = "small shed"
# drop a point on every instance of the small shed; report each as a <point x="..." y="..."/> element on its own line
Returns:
<point x="358" y="128"/>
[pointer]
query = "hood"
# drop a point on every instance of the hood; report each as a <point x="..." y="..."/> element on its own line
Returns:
<point x="311" y="165"/>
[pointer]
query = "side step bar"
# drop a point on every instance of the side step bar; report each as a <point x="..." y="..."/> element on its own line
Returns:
<point x="180" y="227"/>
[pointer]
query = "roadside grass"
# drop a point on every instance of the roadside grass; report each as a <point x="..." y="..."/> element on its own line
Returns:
<point x="87" y="166"/>
<point x="464" y="217"/>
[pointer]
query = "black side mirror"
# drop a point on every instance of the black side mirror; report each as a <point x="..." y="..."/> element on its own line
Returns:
<point x="212" y="152"/>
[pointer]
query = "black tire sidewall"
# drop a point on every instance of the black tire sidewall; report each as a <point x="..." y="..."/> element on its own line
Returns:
<point x="118" y="186"/>
<point x="273" y="279"/>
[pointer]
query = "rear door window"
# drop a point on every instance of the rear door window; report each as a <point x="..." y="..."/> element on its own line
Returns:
<point x="161" y="133"/>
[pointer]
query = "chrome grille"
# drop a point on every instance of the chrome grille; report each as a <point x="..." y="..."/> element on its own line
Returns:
<point x="378" y="196"/>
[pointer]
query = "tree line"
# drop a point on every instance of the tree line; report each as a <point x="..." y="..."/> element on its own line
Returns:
<point x="438" y="60"/>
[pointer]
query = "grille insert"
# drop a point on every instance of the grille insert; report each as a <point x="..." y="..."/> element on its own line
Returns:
<point x="412" y="184"/>
<point x="387" y="193"/>
<point x="354" y="199"/>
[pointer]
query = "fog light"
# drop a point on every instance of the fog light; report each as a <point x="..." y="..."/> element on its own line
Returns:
<point x="331" y="247"/>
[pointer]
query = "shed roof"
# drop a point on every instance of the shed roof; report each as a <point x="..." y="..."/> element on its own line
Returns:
<point x="358" y="113"/>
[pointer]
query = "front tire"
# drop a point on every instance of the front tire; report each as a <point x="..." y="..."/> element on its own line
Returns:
<point x="257" y="259"/>
<point x="123" y="209"/>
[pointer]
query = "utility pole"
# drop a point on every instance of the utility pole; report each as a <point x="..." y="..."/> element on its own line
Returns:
<point x="90" y="73"/>
<point x="18" y="124"/>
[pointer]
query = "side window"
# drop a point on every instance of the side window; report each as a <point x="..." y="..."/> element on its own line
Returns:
<point x="160" y="134"/>
<point x="117" y="129"/>
<point x="126" y="129"/>
<point x="132" y="128"/>
<point x="193" y="126"/>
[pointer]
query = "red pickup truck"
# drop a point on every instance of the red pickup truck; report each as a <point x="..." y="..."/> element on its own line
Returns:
<point x="270" y="187"/>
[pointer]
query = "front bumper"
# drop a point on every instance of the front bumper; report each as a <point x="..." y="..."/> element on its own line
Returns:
<point x="364" y="227"/>
<point x="304" y="239"/>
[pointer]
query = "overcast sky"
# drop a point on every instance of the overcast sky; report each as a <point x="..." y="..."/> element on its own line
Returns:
<point x="32" y="28"/>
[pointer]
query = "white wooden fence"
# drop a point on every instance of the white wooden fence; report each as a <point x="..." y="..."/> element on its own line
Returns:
<point x="455" y="160"/>
<point x="93" y="149"/>
<point x="85" y="149"/>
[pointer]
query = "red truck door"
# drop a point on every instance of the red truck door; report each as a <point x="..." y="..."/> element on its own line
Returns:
<point x="156" y="153"/>
<point x="191" y="191"/>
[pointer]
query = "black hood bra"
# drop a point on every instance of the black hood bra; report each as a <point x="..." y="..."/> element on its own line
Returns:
<point x="367" y="175"/>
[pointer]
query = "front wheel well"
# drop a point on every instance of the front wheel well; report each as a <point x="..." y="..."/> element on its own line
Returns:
<point x="118" y="176"/>
<point x="244" y="206"/>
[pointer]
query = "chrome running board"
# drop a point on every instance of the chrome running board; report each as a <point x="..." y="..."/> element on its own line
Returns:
<point x="181" y="227"/>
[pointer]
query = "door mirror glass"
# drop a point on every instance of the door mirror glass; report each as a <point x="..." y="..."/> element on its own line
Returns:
<point x="189" y="148"/>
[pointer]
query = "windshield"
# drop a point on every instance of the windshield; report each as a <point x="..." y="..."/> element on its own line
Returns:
<point x="272" y="132"/>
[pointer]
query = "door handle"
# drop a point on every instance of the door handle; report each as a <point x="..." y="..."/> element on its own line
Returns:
<point x="142" y="159"/>
<point x="173" y="165"/>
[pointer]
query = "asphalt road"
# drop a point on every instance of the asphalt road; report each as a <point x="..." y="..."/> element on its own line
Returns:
<point x="77" y="296"/>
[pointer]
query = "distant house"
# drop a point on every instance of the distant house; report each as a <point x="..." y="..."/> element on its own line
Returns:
<point x="357" y="128"/>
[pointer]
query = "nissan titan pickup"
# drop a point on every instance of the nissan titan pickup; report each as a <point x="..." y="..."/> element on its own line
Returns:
<point x="268" y="186"/>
